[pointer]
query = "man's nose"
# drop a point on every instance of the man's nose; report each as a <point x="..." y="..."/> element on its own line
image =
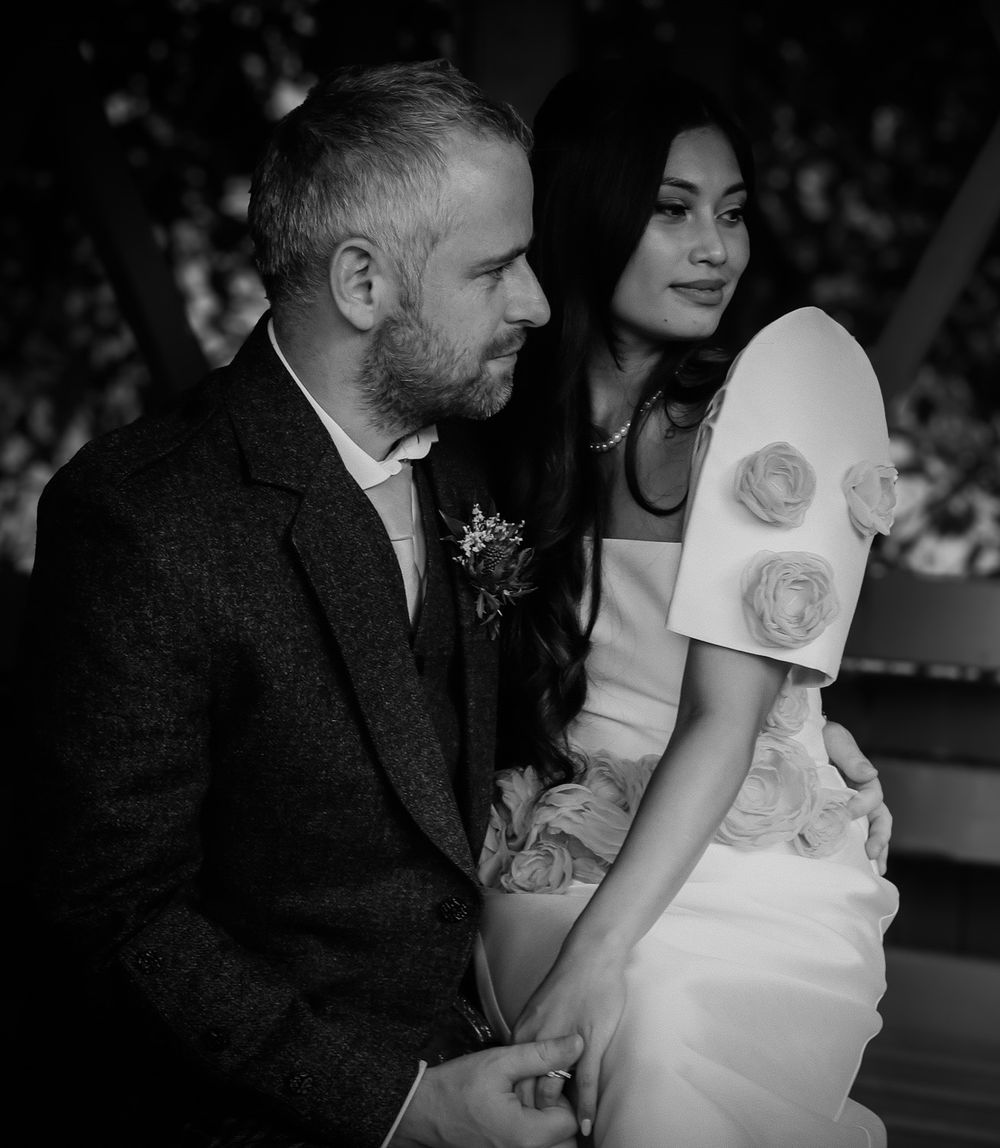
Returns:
<point x="526" y="302"/>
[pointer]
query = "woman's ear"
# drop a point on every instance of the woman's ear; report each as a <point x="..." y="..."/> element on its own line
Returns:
<point x="362" y="285"/>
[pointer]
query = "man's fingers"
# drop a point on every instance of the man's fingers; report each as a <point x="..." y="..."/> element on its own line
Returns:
<point x="846" y="754"/>
<point x="879" y="834"/>
<point x="524" y="1090"/>
<point x="867" y="799"/>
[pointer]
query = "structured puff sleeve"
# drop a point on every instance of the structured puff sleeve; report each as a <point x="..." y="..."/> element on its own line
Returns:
<point x="792" y="480"/>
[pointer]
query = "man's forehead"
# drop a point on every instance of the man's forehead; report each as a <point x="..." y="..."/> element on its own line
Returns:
<point x="485" y="198"/>
<point x="470" y="159"/>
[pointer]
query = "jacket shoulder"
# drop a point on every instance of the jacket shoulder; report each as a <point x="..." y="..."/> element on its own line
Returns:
<point x="113" y="460"/>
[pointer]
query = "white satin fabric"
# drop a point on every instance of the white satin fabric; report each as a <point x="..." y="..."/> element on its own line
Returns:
<point x="751" y="1000"/>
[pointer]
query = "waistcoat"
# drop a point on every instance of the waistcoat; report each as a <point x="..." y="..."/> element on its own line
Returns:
<point x="436" y="650"/>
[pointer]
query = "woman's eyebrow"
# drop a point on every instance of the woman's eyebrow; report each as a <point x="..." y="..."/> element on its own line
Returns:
<point x="687" y="185"/>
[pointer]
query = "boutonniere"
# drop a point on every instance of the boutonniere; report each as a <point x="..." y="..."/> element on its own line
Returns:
<point x="491" y="553"/>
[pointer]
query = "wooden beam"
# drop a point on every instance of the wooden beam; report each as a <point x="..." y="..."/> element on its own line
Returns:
<point x="105" y="193"/>
<point x="943" y="271"/>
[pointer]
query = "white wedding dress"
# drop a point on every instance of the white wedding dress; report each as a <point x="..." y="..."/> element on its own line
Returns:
<point x="751" y="1000"/>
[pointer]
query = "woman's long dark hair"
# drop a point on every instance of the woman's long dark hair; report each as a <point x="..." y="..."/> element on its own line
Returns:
<point x="602" y="138"/>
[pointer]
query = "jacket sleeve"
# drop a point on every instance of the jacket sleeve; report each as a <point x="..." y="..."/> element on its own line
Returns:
<point x="119" y="707"/>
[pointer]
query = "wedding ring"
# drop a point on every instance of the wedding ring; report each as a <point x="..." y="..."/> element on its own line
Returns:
<point x="561" y="1074"/>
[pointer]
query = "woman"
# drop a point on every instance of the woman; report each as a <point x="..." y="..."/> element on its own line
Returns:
<point x="724" y="976"/>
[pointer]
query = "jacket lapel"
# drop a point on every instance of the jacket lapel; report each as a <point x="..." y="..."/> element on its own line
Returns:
<point x="349" y="562"/>
<point x="458" y="485"/>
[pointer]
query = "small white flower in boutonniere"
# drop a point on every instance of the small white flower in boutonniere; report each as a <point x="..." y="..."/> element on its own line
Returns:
<point x="495" y="562"/>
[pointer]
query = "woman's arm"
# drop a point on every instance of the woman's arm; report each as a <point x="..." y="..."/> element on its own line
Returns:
<point x="725" y="698"/>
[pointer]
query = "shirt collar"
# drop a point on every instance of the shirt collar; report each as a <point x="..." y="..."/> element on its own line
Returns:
<point x="365" y="470"/>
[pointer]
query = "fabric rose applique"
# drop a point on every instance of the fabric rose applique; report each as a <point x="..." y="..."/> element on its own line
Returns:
<point x="776" y="484"/>
<point x="544" y="868"/>
<point x="826" y="831"/>
<point x="870" y="490"/>
<point x="781" y="801"/>
<point x="541" y="839"/>
<point x="778" y="798"/>
<point x="789" y="712"/>
<point x="788" y="598"/>
<point x="616" y="780"/>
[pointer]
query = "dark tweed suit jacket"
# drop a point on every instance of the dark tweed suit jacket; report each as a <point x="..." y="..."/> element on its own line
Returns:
<point x="240" y="819"/>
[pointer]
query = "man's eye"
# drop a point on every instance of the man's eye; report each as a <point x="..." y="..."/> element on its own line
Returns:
<point x="498" y="272"/>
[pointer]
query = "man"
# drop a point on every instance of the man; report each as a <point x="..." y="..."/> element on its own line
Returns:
<point x="262" y="706"/>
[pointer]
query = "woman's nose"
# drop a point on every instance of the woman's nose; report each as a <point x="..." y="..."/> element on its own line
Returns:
<point x="709" y="246"/>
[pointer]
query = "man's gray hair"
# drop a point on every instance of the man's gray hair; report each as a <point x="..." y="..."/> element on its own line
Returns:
<point x="364" y="155"/>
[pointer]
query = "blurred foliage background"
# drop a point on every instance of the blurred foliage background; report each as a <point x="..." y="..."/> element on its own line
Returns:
<point x="866" y="118"/>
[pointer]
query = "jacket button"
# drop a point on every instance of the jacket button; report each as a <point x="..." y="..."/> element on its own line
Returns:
<point x="149" y="961"/>
<point x="453" y="910"/>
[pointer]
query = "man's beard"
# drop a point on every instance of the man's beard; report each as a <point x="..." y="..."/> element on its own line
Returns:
<point x="413" y="376"/>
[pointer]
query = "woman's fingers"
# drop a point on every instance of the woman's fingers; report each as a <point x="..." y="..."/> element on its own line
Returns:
<point x="588" y="1071"/>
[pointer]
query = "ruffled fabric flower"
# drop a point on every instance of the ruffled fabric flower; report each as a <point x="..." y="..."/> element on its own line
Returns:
<point x="546" y="867"/>
<point x="572" y="809"/>
<point x="826" y="833"/>
<point x="495" y="855"/>
<point x="778" y="799"/>
<point x="870" y="490"/>
<point x="777" y="484"/>
<point x="789" y="712"/>
<point x="518" y="789"/>
<point x="789" y="598"/>
<point x="616" y="780"/>
<point x="579" y="831"/>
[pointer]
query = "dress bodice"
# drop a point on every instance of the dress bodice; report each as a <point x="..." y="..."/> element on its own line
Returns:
<point x="636" y="664"/>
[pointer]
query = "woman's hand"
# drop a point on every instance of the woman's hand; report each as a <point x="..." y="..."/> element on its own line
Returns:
<point x="868" y="801"/>
<point x="583" y="993"/>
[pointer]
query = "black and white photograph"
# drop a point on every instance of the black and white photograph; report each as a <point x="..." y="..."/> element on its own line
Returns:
<point x="500" y="573"/>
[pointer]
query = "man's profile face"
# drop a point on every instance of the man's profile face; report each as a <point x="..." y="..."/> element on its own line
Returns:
<point x="451" y="347"/>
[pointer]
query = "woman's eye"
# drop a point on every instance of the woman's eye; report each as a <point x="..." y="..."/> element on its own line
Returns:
<point x="734" y="214"/>
<point x="672" y="209"/>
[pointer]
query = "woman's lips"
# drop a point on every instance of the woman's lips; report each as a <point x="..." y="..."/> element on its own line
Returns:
<point x="707" y="293"/>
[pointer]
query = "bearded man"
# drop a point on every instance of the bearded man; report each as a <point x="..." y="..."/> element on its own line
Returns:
<point x="262" y="706"/>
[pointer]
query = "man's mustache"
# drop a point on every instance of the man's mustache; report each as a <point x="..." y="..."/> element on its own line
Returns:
<point x="505" y="346"/>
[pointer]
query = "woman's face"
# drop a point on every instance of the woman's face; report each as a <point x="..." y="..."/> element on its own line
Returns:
<point x="686" y="266"/>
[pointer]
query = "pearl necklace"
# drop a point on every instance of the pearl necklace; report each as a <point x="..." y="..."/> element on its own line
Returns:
<point x="622" y="431"/>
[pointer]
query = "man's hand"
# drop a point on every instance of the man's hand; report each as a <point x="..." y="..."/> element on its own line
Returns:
<point x="868" y="801"/>
<point x="470" y="1102"/>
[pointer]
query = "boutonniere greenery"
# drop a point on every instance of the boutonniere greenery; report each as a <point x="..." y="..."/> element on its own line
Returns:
<point x="495" y="561"/>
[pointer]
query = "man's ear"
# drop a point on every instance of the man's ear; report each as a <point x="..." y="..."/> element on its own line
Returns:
<point x="362" y="284"/>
